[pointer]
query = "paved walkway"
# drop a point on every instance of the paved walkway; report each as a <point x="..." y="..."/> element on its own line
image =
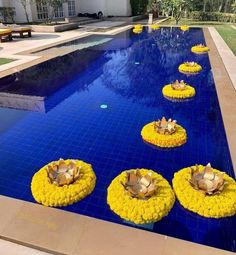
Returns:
<point x="13" y="49"/>
<point x="9" y="248"/>
<point x="226" y="54"/>
<point x="38" y="40"/>
<point x="17" y="48"/>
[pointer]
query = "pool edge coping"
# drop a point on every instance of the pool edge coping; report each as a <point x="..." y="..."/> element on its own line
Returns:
<point x="21" y="224"/>
<point x="225" y="92"/>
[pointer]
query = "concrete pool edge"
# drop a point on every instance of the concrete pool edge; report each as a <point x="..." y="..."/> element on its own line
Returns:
<point x="225" y="92"/>
<point x="46" y="228"/>
<point x="60" y="232"/>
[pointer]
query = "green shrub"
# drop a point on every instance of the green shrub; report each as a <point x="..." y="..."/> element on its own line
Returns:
<point x="213" y="16"/>
<point x="138" y="7"/>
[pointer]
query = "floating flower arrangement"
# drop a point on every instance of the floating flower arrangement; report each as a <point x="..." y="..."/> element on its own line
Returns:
<point x="138" y="29"/>
<point x="155" y="27"/>
<point x="184" y="28"/>
<point x="140" y="196"/>
<point x="63" y="182"/>
<point x="138" y="26"/>
<point x="178" y="90"/>
<point x="200" y="49"/>
<point x="164" y="134"/>
<point x="206" y="191"/>
<point x="190" y="68"/>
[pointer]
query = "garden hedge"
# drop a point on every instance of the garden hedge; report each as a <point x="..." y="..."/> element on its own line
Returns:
<point x="213" y="16"/>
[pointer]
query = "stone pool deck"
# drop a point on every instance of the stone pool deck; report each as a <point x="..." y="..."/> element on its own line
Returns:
<point x="223" y="64"/>
<point x="10" y="248"/>
<point x="20" y="48"/>
<point x="12" y="50"/>
<point x="59" y="232"/>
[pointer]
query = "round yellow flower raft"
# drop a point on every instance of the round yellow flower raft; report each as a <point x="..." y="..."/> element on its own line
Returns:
<point x="200" y="49"/>
<point x="138" y="29"/>
<point x="190" y="68"/>
<point x="155" y="27"/>
<point x="140" y="196"/>
<point x="164" y="134"/>
<point x="138" y="26"/>
<point x="178" y="90"/>
<point x="206" y="191"/>
<point x="184" y="28"/>
<point x="63" y="182"/>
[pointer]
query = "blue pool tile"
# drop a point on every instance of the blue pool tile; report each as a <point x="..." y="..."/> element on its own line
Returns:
<point x="74" y="126"/>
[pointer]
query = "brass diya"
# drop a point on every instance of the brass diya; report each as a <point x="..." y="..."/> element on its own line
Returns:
<point x="63" y="172"/>
<point x="207" y="180"/>
<point x="200" y="45"/>
<point x="139" y="186"/>
<point x="165" y="127"/>
<point x="190" y="64"/>
<point x="178" y="85"/>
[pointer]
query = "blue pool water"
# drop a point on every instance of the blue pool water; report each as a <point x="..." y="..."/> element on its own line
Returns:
<point x="92" y="105"/>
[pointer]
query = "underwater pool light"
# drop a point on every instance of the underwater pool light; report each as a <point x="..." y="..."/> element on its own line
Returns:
<point x="103" y="106"/>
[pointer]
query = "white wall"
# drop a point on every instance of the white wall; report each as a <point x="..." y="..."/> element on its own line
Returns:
<point x="92" y="6"/>
<point x="20" y="13"/>
<point x="108" y="7"/>
<point x="118" y="7"/>
<point x="5" y="3"/>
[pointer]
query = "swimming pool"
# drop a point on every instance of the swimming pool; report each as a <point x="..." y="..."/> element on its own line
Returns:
<point x="126" y="75"/>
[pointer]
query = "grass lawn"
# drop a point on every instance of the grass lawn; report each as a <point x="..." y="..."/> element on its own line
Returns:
<point x="229" y="35"/>
<point x="191" y="22"/>
<point x="224" y="29"/>
<point x="5" y="61"/>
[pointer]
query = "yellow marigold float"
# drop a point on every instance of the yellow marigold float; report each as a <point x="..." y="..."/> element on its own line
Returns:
<point x="200" y="49"/>
<point x="138" y="29"/>
<point x="206" y="191"/>
<point x="184" y="28"/>
<point x="63" y="182"/>
<point x="190" y="68"/>
<point x="140" y="196"/>
<point x="178" y="90"/>
<point x="138" y="26"/>
<point x="155" y="27"/>
<point x="163" y="133"/>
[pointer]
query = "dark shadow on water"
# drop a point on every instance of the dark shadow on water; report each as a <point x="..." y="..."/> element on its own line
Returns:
<point x="160" y="148"/>
<point x="179" y="100"/>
